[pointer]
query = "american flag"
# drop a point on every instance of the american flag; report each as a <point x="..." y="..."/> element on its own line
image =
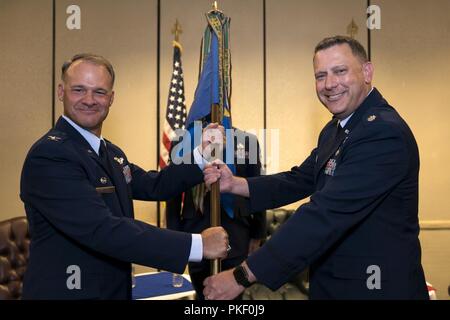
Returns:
<point x="176" y="107"/>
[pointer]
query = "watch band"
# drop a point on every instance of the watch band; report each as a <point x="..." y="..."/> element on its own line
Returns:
<point x="241" y="276"/>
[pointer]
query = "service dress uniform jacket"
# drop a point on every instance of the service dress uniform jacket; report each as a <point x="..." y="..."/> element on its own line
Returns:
<point x="359" y="231"/>
<point x="80" y="214"/>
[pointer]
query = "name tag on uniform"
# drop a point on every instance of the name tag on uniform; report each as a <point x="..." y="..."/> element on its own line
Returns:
<point x="127" y="173"/>
<point x="110" y="189"/>
<point x="330" y="167"/>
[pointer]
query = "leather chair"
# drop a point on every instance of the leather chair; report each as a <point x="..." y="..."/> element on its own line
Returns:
<point x="14" y="251"/>
<point x="297" y="287"/>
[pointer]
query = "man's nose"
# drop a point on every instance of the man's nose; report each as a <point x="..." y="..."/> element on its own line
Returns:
<point x="331" y="82"/>
<point x="89" y="99"/>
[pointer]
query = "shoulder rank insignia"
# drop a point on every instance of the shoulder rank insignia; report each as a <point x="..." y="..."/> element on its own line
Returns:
<point x="119" y="160"/>
<point x="371" y="118"/>
<point x="54" y="138"/>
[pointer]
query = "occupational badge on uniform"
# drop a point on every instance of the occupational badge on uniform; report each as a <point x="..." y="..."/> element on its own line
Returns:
<point x="103" y="180"/>
<point x="53" y="138"/>
<point x="371" y="118"/>
<point x="119" y="160"/>
<point x="330" y="167"/>
<point x="240" y="151"/>
<point x="127" y="173"/>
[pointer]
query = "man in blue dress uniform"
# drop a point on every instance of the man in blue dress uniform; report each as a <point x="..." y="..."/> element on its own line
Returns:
<point x="359" y="231"/>
<point x="78" y="188"/>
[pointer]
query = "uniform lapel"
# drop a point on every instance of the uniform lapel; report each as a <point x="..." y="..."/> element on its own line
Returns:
<point x="333" y="140"/>
<point x="85" y="148"/>
<point x="81" y="143"/>
<point x="330" y="145"/>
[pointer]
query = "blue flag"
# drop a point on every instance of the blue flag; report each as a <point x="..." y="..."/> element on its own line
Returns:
<point x="214" y="88"/>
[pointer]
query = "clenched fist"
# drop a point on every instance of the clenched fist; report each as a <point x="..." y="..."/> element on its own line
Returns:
<point x="215" y="243"/>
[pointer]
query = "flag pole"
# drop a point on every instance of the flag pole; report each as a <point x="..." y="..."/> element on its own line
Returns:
<point x="215" y="187"/>
<point x="177" y="30"/>
<point x="215" y="192"/>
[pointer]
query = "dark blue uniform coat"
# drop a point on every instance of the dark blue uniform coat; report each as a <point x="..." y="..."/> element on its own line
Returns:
<point x="81" y="216"/>
<point x="359" y="231"/>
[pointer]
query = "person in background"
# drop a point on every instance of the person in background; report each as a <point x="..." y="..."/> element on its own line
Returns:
<point x="245" y="229"/>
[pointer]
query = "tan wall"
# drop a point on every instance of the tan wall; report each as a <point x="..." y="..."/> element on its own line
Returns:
<point x="125" y="33"/>
<point x="436" y="260"/>
<point x="410" y="54"/>
<point x="25" y="90"/>
<point x="246" y="47"/>
<point x="411" y="58"/>
<point x="293" y="30"/>
<point x="413" y="74"/>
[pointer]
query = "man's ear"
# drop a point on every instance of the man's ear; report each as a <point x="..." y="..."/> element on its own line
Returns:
<point x="368" y="72"/>
<point x="60" y="92"/>
<point x="112" y="98"/>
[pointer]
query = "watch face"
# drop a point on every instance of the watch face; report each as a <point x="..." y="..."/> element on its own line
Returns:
<point x="241" y="277"/>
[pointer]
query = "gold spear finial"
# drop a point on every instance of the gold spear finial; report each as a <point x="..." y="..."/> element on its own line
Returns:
<point x="352" y="29"/>
<point x="177" y="30"/>
<point x="215" y="7"/>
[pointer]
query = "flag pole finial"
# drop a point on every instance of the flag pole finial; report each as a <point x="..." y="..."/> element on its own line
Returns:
<point x="177" y="30"/>
<point x="352" y="29"/>
<point x="215" y="7"/>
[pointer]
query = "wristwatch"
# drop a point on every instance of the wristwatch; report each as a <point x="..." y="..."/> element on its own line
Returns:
<point x="241" y="276"/>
